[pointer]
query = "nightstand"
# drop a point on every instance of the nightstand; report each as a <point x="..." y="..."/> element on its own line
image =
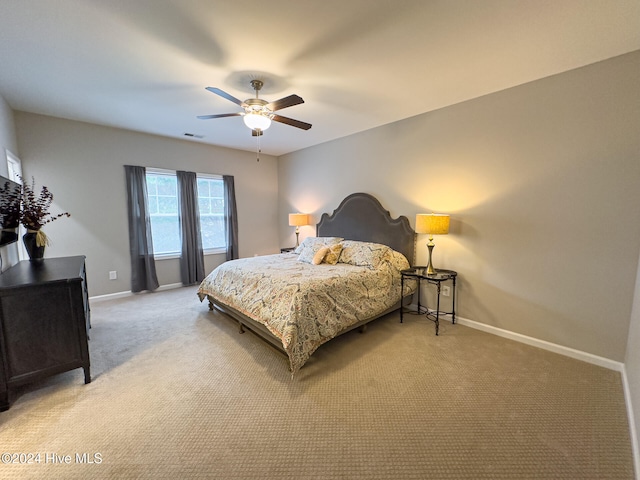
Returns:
<point x="287" y="249"/>
<point x="441" y="275"/>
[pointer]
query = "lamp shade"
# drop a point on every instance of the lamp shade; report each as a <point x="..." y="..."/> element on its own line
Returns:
<point x="256" y="121"/>
<point x="298" y="219"/>
<point x="432" y="223"/>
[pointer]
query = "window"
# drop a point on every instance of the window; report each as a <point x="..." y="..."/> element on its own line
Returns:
<point x="14" y="171"/>
<point x="162" y="192"/>
<point x="211" y="207"/>
<point x="14" y="167"/>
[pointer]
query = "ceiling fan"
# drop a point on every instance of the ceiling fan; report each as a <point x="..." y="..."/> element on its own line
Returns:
<point x="258" y="113"/>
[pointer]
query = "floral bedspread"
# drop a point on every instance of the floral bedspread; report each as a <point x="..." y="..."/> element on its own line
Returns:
<point x="303" y="304"/>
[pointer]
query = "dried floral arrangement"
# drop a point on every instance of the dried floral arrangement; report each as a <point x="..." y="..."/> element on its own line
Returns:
<point x="35" y="210"/>
<point x="10" y="200"/>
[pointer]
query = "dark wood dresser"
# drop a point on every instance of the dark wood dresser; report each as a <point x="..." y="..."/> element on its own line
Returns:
<point x="44" y="322"/>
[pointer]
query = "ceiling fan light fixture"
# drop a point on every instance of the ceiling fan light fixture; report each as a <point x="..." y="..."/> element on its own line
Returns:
<point x="258" y="112"/>
<point x="256" y="121"/>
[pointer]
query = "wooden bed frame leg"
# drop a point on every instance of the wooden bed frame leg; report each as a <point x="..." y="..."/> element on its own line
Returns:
<point x="210" y="306"/>
<point x="363" y="328"/>
<point x="241" y="327"/>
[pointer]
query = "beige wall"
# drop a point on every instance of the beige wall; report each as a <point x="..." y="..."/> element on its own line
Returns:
<point x="542" y="183"/>
<point x="82" y="164"/>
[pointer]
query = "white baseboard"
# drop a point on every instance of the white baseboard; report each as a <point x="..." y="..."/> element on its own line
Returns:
<point x="535" y="342"/>
<point x="113" y="296"/>
<point x="635" y="448"/>
<point x="552" y="347"/>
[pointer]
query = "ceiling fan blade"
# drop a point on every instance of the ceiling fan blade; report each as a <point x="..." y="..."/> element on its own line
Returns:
<point x="256" y="133"/>
<point x="292" y="122"/>
<point x="220" y="115"/>
<point x="285" y="102"/>
<point x="224" y="94"/>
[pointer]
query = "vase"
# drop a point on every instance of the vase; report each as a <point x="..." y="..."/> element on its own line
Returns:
<point x="36" y="253"/>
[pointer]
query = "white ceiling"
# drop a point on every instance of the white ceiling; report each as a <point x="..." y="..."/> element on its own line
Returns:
<point x="143" y="65"/>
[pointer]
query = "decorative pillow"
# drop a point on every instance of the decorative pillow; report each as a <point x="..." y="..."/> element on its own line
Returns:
<point x="319" y="256"/>
<point x="310" y="241"/>
<point x="363" y="254"/>
<point x="309" y="252"/>
<point x="333" y="254"/>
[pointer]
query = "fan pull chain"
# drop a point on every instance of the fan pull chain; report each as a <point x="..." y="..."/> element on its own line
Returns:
<point x="258" y="146"/>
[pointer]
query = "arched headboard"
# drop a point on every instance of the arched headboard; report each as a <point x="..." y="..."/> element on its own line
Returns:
<point x="361" y="217"/>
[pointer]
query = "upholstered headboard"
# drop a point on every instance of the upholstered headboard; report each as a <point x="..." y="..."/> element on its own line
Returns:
<point x="361" y="217"/>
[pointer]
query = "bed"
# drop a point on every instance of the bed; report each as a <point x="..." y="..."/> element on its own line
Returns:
<point x="343" y="278"/>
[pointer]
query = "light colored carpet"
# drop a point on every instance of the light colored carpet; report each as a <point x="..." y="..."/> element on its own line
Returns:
<point x="177" y="392"/>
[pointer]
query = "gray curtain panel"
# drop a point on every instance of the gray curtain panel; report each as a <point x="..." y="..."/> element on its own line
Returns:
<point x="230" y="217"/>
<point x="143" y="267"/>
<point x="192" y="257"/>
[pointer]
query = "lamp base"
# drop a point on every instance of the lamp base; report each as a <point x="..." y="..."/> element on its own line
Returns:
<point x="430" y="269"/>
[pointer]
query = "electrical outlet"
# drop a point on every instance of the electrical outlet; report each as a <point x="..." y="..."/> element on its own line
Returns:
<point x="113" y="275"/>
<point x="446" y="290"/>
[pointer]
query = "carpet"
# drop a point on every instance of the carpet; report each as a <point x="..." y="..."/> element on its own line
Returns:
<point x="177" y="392"/>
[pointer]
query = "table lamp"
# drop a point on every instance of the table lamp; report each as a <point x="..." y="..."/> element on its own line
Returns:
<point x="432" y="224"/>
<point x="298" y="220"/>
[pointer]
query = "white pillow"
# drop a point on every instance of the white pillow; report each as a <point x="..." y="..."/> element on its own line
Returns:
<point x="310" y="241"/>
<point x="363" y="254"/>
<point x="309" y="252"/>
